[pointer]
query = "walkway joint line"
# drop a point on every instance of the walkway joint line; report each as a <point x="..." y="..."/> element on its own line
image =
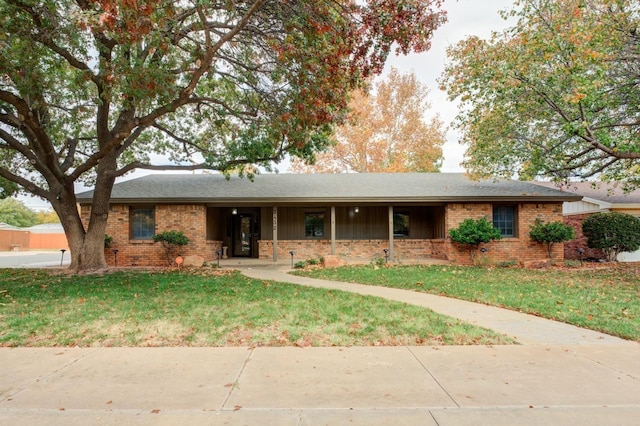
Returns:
<point x="236" y="380"/>
<point x="433" y="377"/>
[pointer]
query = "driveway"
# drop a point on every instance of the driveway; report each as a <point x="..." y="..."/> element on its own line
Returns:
<point x="33" y="259"/>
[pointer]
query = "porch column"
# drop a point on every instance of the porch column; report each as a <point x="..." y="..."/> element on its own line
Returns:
<point x="333" y="230"/>
<point x="275" y="233"/>
<point x="391" y="233"/>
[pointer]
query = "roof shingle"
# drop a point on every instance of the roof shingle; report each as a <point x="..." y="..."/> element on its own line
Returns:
<point x="297" y="188"/>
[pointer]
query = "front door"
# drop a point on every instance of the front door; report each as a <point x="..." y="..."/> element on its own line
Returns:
<point x="243" y="235"/>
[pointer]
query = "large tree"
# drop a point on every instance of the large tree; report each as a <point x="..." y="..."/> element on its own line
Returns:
<point x="92" y="89"/>
<point x="387" y="131"/>
<point x="556" y="95"/>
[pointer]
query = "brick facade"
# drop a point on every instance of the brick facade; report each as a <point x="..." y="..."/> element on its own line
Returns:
<point x="518" y="249"/>
<point x="191" y="220"/>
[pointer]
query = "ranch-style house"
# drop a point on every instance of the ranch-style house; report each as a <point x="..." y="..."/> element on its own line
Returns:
<point x="403" y="216"/>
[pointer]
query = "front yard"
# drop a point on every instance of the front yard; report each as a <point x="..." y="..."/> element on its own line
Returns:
<point x="603" y="299"/>
<point x="209" y="308"/>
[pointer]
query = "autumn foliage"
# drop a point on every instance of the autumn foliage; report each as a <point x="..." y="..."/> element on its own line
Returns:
<point x="553" y="95"/>
<point x="93" y="89"/>
<point x="387" y="132"/>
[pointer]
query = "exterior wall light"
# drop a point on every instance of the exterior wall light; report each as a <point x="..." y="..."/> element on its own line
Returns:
<point x="356" y="209"/>
<point x="234" y="211"/>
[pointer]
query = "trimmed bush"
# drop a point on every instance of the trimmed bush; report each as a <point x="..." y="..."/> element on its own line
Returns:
<point x="612" y="233"/>
<point x="171" y="240"/>
<point x="551" y="233"/>
<point x="471" y="233"/>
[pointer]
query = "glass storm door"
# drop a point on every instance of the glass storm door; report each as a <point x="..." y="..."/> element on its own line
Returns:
<point x="243" y="235"/>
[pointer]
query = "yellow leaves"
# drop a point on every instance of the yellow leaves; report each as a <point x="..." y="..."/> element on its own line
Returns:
<point x="576" y="97"/>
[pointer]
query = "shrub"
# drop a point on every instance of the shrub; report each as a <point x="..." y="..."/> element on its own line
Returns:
<point x="309" y="262"/>
<point x="472" y="233"/>
<point x="378" y="261"/>
<point x="171" y="240"/>
<point x="551" y="233"/>
<point x="108" y="239"/>
<point x="300" y="264"/>
<point x="612" y="233"/>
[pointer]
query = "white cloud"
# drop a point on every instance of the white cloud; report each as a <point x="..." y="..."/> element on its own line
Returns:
<point x="465" y="18"/>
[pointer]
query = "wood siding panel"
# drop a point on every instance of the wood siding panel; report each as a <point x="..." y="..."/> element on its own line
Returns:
<point x="371" y="222"/>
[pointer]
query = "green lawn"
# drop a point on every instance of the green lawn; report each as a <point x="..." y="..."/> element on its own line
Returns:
<point x="38" y="308"/>
<point x="603" y="299"/>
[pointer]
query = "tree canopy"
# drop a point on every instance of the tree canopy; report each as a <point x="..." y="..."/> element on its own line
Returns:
<point x="92" y="89"/>
<point x="554" y="95"/>
<point x="387" y="131"/>
<point x="15" y="213"/>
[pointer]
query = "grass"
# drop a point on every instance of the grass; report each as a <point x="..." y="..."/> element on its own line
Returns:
<point x="603" y="299"/>
<point x="38" y="308"/>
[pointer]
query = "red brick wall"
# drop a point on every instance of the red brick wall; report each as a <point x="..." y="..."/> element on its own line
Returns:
<point x="571" y="247"/>
<point x="349" y="249"/>
<point x="190" y="219"/>
<point x="519" y="249"/>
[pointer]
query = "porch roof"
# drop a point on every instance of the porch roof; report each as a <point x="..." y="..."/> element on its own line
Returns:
<point x="343" y="188"/>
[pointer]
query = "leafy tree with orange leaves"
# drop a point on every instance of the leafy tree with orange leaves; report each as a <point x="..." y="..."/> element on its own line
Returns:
<point x="555" y="95"/>
<point x="93" y="89"/>
<point x="387" y="132"/>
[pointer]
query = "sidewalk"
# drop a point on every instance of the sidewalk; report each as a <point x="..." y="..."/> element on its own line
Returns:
<point x="448" y="385"/>
<point x="559" y="375"/>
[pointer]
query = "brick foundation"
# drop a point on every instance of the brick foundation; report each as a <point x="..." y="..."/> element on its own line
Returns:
<point x="348" y="249"/>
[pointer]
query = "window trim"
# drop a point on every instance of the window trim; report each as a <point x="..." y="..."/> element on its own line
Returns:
<point x="514" y="224"/>
<point x="132" y="211"/>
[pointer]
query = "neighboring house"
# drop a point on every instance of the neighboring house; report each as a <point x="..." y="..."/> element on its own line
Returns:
<point x="596" y="197"/>
<point x="38" y="237"/>
<point x="354" y="216"/>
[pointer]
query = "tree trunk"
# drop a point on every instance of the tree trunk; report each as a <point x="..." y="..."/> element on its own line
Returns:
<point x="87" y="244"/>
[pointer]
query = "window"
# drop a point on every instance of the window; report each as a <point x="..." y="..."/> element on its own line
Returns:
<point x="400" y="225"/>
<point x="142" y="223"/>
<point x="504" y="218"/>
<point x="313" y="225"/>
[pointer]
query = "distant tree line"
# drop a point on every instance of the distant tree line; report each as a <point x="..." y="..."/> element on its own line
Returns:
<point x="15" y="213"/>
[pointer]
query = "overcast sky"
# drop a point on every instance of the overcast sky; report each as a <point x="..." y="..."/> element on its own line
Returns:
<point x="465" y="18"/>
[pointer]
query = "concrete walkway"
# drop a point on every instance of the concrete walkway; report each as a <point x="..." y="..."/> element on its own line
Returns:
<point x="584" y="379"/>
<point x="526" y="329"/>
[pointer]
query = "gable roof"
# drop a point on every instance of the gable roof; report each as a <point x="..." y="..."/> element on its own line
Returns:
<point x="322" y="188"/>
<point x="608" y="192"/>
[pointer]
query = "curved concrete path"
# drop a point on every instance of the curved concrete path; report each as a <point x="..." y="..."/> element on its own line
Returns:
<point x="524" y="328"/>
